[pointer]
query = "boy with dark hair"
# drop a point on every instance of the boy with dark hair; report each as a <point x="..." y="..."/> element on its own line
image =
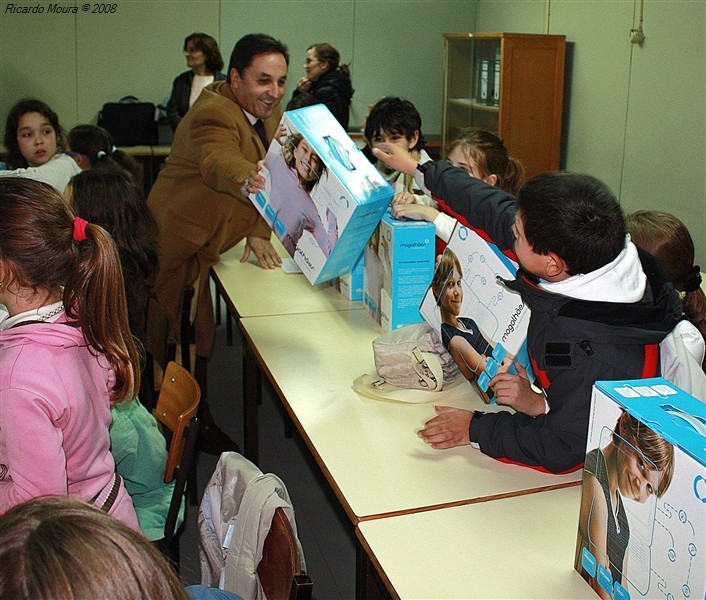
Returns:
<point x="396" y="121"/>
<point x="595" y="312"/>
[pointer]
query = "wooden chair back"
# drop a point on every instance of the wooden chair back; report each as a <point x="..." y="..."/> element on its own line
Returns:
<point x="280" y="570"/>
<point x="177" y="404"/>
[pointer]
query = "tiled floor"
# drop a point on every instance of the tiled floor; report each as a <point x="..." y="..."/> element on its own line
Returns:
<point x="325" y="532"/>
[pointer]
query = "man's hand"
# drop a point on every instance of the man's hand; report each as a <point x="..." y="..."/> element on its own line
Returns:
<point x="263" y="250"/>
<point x="255" y="182"/>
<point x="396" y="157"/>
<point x="515" y="391"/>
<point x="448" y="429"/>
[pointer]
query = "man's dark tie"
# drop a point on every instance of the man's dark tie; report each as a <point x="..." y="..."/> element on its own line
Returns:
<point x="260" y="128"/>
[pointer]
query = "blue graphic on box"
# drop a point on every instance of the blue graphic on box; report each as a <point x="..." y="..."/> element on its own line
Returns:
<point x="482" y="323"/>
<point x="399" y="264"/>
<point x="322" y="197"/>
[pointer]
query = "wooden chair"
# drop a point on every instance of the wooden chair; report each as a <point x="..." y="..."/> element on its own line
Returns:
<point x="176" y="409"/>
<point x="280" y="570"/>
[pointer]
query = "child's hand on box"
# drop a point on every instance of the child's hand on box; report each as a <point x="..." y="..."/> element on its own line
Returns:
<point x="416" y="212"/>
<point x="515" y="391"/>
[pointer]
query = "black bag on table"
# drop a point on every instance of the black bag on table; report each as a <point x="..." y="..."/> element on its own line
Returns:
<point x="130" y="122"/>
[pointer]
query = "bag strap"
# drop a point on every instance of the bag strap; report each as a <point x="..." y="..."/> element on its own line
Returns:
<point x="428" y="368"/>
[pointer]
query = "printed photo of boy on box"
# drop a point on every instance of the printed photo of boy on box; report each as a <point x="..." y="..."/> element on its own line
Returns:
<point x="294" y="174"/>
<point x="636" y="464"/>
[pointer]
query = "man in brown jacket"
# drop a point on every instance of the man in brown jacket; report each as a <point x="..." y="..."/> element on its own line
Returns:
<point x="197" y="200"/>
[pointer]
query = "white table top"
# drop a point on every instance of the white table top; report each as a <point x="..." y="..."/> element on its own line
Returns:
<point x="368" y="449"/>
<point x="520" y="547"/>
<point x="255" y="291"/>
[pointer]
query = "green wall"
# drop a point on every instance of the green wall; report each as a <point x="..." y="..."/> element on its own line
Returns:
<point x="78" y="62"/>
<point x="635" y="114"/>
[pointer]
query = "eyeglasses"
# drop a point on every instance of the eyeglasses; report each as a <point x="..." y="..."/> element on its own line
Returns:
<point x="308" y="61"/>
<point x="191" y="50"/>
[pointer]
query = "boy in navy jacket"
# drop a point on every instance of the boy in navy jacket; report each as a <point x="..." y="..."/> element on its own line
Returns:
<point x="599" y="307"/>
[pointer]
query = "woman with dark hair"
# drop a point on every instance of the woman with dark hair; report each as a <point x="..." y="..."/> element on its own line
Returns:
<point x="205" y="63"/>
<point x="326" y="82"/>
<point x="34" y="141"/>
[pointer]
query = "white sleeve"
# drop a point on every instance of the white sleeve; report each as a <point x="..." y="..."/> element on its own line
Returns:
<point x="57" y="172"/>
<point x="444" y="226"/>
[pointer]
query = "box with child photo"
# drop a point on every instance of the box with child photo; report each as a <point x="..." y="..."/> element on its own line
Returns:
<point x="642" y="521"/>
<point x="322" y="197"/>
<point x="482" y="323"/>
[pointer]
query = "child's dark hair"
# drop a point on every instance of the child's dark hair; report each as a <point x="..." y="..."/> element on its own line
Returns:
<point x="667" y="238"/>
<point x="574" y="215"/>
<point x="112" y="199"/>
<point x="40" y="250"/>
<point x="394" y="116"/>
<point x="209" y="46"/>
<point x="14" y="158"/>
<point x="488" y="151"/>
<point x="96" y="145"/>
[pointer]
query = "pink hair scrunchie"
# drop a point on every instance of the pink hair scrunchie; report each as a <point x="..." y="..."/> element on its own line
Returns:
<point x="79" y="229"/>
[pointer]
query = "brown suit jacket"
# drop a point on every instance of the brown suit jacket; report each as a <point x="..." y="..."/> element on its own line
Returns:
<point x="197" y="200"/>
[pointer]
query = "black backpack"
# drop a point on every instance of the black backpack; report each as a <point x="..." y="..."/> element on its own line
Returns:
<point x="130" y="122"/>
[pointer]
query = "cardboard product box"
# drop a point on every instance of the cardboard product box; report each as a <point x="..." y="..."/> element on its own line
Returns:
<point x="642" y="525"/>
<point x="482" y="323"/>
<point x="399" y="264"/>
<point x="322" y="197"/>
<point x="351" y="285"/>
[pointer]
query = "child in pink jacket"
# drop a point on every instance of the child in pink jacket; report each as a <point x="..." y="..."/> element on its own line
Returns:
<point x="66" y="353"/>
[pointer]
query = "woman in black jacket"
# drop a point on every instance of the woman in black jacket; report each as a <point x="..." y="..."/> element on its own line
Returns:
<point x="205" y="63"/>
<point x="326" y="82"/>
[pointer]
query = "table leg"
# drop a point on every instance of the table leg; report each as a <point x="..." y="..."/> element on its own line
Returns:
<point x="252" y="391"/>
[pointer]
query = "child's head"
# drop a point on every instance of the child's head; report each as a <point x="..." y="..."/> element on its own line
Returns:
<point x="32" y="134"/>
<point x="567" y="224"/>
<point x="483" y="155"/>
<point x="394" y="121"/>
<point x="93" y="147"/>
<point x="637" y="477"/>
<point x="45" y="251"/>
<point x="63" y="548"/>
<point x="666" y="237"/>
<point x="300" y="156"/>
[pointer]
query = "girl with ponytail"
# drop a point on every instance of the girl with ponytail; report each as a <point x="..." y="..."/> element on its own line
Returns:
<point x="66" y="352"/>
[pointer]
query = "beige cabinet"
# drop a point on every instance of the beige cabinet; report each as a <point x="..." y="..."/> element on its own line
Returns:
<point x="511" y="84"/>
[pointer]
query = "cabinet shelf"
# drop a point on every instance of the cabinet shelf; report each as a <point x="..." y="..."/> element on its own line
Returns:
<point x="511" y="84"/>
<point x="470" y="103"/>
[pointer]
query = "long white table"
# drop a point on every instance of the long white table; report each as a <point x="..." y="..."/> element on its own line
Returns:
<point x="368" y="449"/>
<point x="520" y="547"/>
<point x="251" y="291"/>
